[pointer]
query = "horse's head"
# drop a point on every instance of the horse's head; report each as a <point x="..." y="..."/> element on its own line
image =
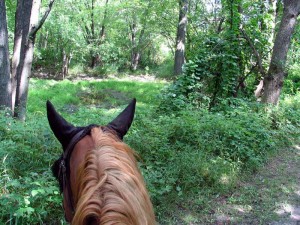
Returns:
<point x="76" y="142"/>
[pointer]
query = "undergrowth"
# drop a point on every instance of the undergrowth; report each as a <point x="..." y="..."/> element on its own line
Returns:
<point x="181" y="154"/>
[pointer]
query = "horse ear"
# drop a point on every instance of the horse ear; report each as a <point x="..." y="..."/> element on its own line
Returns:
<point x="62" y="130"/>
<point x="123" y="121"/>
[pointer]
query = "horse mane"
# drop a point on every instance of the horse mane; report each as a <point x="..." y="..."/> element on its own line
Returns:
<point x="110" y="188"/>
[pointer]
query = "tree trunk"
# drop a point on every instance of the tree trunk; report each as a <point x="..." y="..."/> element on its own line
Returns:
<point x="26" y="27"/>
<point x="20" y="66"/>
<point x="135" y="58"/>
<point x="136" y="46"/>
<point x="273" y="81"/>
<point x="93" y="37"/>
<point x="94" y="59"/>
<point x="102" y="32"/>
<point x="5" y="79"/>
<point x="65" y="65"/>
<point x="180" y="38"/>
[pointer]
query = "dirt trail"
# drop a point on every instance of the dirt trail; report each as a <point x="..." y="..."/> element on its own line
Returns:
<point x="287" y="165"/>
<point x="270" y="197"/>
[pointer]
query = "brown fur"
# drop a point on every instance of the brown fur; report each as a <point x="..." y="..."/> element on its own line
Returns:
<point x="109" y="188"/>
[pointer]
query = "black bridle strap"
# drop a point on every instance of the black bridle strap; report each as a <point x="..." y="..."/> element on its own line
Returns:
<point x="63" y="169"/>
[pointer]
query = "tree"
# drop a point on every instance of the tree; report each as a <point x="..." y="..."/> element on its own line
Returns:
<point x="137" y="35"/>
<point x="94" y="32"/>
<point x="27" y="25"/>
<point x="180" y="38"/>
<point x="5" y="79"/>
<point x="274" y="79"/>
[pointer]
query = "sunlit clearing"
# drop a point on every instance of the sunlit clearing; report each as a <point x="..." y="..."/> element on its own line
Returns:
<point x="223" y="219"/>
<point x="189" y="218"/>
<point x="242" y="208"/>
<point x="286" y="208"/>
<point x="224" y="179"/>
<point x="165" y="49"/>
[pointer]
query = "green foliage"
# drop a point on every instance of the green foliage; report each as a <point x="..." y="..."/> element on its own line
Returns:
<point x="197" y="149"/>
<point x="29" y="193"/>
<point x="164" y="70"/>
<point x="179" y="154"/>
<point x="292" y="81"/>
<point x="77" y="32"/>
<point x="213" y="74"/>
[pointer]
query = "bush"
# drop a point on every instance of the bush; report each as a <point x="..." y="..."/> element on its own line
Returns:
<point x="212" y="74"/>
<point x="183" y="152"/>
<point x="165" y="69"/>
<point x="292" y="82"/>
<point x="29" y="193"/>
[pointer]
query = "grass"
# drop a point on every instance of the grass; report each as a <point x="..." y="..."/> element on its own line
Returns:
<point x="270" y="195"/>
<point x="90" y="92"/>
<point x="198" y="165"/>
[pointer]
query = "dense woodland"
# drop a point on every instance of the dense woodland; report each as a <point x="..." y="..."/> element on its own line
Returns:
<point x="226" y="94"/>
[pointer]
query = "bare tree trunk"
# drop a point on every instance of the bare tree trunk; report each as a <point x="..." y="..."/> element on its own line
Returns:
<point x="22" y="25"/>
<point x="135" y="58"/>
<point x="65" y="64"/>
<point x="5" y="79"/>
<point x="94" y="55"/>
<point x="64" y="71"/>
<point x="102" y="31"/>
<point x="93" y="37"/>
<point x="180" y="38"/>
<point x="26" y="27"/>
<point x="273" y="81"/>
<point x="136" y="46"/>
<point x="17" y="49"/>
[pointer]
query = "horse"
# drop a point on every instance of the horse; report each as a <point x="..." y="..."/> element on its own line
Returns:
<point x="98" y="173"/>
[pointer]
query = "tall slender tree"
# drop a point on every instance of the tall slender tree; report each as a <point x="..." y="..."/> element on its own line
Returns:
<point x="27" y="24"/>
<point x="180" y="38"/>
<point x="5" y="79"/>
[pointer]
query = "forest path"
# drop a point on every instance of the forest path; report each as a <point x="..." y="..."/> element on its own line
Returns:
<point x="271" y="196"/>
<point x="287" y="165"/>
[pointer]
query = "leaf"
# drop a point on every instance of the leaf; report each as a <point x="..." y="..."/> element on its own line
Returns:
<point x="34" y="193"/>
<point x="23" y="211"/>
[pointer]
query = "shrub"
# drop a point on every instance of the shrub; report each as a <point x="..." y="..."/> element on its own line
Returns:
<point x="191" y="149"/>
<point x="292" y="82"/>
<point x="212" y="74"/>
<point x="29" y="193"/>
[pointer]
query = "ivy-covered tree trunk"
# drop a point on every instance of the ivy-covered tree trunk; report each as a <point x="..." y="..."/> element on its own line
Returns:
<point x="26" y="27"/>
<point x="274" y="79"/>
<point x="180" y="38"/>
<point x="5" y="80"/>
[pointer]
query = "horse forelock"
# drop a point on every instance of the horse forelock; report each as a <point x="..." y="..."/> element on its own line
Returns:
<point x="110" y="188"/>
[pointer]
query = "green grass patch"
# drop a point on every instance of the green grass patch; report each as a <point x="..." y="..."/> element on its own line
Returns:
<point x="108" y="93"/>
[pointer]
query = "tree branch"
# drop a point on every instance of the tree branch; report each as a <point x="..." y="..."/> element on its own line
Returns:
<point x="35" y="29"/>
<point x="256" y="53"/>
